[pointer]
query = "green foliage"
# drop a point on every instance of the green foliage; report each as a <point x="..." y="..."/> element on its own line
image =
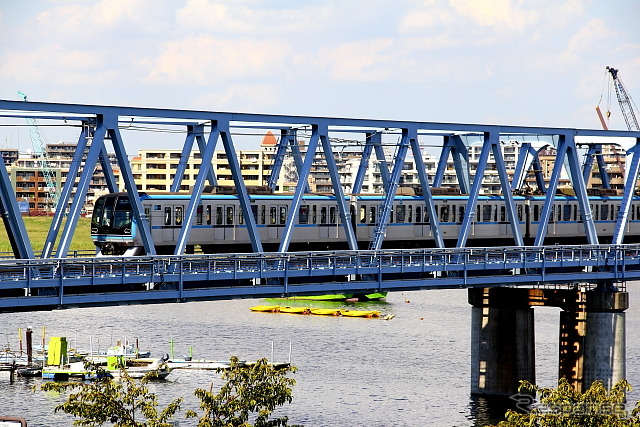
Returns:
<point x="248" y="398"/>
<point x="253" y="391"/>
<point x="565" y="407"/>
<point x="123" y="403"/>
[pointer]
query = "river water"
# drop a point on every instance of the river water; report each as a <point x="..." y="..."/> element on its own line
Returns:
<point x="412" y="370"/>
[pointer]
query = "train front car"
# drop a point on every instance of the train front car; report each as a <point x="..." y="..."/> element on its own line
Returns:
<point x="113" y="230"/>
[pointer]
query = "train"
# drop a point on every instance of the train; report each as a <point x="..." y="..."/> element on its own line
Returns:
<point x="219" y="226"/>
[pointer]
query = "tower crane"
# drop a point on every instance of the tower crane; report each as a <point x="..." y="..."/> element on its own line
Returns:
<point x="40" y="152"/>
<point x="626" y="104"/>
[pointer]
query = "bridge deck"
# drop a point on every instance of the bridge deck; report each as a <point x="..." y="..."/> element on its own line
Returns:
<point x="35" y="284"/>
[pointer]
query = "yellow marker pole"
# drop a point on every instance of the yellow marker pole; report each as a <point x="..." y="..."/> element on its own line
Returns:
<point x="20" y="339"/>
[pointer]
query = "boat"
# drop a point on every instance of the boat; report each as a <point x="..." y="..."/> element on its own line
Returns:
<point x="266" y="308"/>
<point x="360" y="313"/>
<point x="295" y="310"/>
<point x="326" y="311"/>
<point x="375" y="296"/>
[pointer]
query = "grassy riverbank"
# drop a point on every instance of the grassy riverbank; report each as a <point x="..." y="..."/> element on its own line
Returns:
<point x="38" y="228"/>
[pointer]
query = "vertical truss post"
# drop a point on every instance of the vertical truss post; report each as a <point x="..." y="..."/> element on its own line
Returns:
<point x="383" y="166"/>
<point x="371" y="138"/>
<point x="196" y="192"/>
<point x="537" y="168"/>
<point x="278" y="159"/>
<point x="470" y="210"/>
<point x="454" y="145"/>
<point x="12" y="218"/>
<point x="595" y="151"/>
<point x="510" y="205"/>
<point x="65" y="195"/>
<point x="303" y="176"/>
<point x="139" y="216"/>
<point x="629" y="190"/>
<point x="527" y="158"/>
<point x="426" y="191"/>
<point x="580" y="189"/>
<point x="97" y="145"/>
<point x="345" y="214"/>
<point x="107" y="171"/>
<point x="241" y="188"/>
<point x="390" y="192"/>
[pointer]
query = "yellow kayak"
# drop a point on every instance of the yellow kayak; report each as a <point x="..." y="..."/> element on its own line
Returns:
<point x="326" y="311"/>
<point x="295" y="310"/>
<point x="266" y="308"/>
<point x="361" y="313"/>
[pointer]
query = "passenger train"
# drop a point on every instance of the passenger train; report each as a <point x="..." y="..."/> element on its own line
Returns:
<point x="219" y="226"/>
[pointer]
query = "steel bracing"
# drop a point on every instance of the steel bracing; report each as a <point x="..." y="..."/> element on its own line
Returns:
<point x="451" y="143"/>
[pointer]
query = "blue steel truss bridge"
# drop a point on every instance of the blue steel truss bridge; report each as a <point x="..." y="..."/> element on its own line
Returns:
<point x="390" y="241"/>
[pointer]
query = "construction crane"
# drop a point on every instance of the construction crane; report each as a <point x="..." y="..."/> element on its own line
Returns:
<point x="39" y="149"/>
<point x="626" y="104"/>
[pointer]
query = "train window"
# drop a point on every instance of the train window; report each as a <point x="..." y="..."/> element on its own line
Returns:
<point x="283" y="215"/>
<point x="240" y="217"/>
<point x="390" y="216"/>
<point x="444" y="213"/>
<point x="638" y="212"/>
<point x="323" y="215"/>
<point x="229" y="215"/>
<point x="604" y="212"/>
<point x="519" y="208"/>
<point x="596" y="212"/>
<point x="167" y="215"/>
<point x="426" y="216"/>
<point x="461" y="214"/>
<point x="613" y="212"/>
<point x="254" y="211"/>
<point x="400" y="213"/>
<point x="272" y="215"/>
<point x="495" y="213"/>
<point x="372" y="215"/>
<point x="263" y="214"/>
<point x="453" y="213"/>
<point x="303" y="215"/>
<point x="208" y="214"/>
<point x="219" y="215"/>
<point x="410" y="218"/>
<point x="332" y="215"/>
<point x="503" y="214"/>
<point x="199" y="212"/>
<point x="418" y="214"/>
<point x="536" y="213"/>
<point x="96" y="219"/>
<point x="147" y="213"/>
<point x="178" y="215"/>
<point x="363" y="214"/>
<point x="566" y="213"/>
<point x="314" y="214"/>
<point x="486" y="213"/>
<point x="575" y="213"/>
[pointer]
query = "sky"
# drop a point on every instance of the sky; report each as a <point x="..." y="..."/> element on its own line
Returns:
<point x="508" y="62"/>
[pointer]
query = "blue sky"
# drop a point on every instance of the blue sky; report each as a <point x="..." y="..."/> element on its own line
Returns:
<point x="532" y="63"/>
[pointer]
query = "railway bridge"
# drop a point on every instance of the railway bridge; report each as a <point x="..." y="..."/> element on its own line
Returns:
<point x="588" y="281"/>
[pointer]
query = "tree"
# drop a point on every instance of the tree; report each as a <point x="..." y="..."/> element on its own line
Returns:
<point x="250" y="391"/>
<point x="250" y="394"/>
<point x="124" y="403"/>
<point x="565" y="407"/>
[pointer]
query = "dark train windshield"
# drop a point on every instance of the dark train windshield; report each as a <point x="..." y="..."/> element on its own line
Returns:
<point x="112" y="215"/>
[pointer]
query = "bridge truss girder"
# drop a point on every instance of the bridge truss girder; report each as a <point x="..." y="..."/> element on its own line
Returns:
<point x="105" y="122"/>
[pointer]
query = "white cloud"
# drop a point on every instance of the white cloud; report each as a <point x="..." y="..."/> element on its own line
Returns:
<point x="247" y="98"/>
<point x="359" y="61"/>
<point x="234" y="17"/>
<point x="206" y="60"/>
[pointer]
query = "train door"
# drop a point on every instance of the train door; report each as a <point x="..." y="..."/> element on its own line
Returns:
<point x="224" y="222"/>
<point x="323" y="221"/>
<point x="172" y="218"/>
<point x="277" y="219"/>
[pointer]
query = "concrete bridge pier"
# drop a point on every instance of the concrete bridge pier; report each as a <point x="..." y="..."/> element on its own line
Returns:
<point x="605" y="340"/>
<point x="591" y="339"/>
<point x="502" y="340"/>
